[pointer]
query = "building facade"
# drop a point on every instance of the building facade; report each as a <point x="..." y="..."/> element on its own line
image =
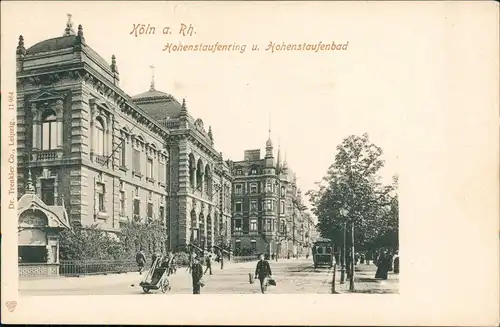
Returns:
<point x="199" y="187"/>
<point x="110" y="158"/>
<point x="267" y="206"/>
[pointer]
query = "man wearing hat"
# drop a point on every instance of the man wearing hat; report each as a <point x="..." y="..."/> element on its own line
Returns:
<point x="196" y="274"/>
<point x="263" y="272"/>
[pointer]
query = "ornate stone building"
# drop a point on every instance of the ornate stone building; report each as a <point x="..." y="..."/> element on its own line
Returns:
<point x="110" y="158"/>
<point x="199" y="186"/>
<point x="267" y="205"/>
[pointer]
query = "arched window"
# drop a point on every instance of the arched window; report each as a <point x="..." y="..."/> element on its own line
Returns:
<point x="99" y="137"/>
<point x="49" y="130"/>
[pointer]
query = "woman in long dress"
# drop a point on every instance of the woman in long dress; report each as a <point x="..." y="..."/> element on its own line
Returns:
<point x="396" y="262"/>
<point x="382" y="265"/>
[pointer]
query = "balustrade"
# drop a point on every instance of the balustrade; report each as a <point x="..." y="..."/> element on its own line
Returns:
<point x="48" y="155"/>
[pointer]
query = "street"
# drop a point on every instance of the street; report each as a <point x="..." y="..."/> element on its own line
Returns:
<point x="293" y="276"/>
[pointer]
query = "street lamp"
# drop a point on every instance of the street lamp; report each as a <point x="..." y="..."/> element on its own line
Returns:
<point x="344" y="213"/>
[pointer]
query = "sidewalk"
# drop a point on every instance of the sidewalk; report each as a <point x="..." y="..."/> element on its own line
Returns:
<point x="62" y="282"/>
<point x="365" y="282"/>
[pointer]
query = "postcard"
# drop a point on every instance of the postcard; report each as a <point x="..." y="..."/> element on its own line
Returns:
<point x="287" y="162"/>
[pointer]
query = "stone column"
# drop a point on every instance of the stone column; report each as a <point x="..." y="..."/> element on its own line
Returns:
<point x="59" y="109"/>
<point x="36" y="136"/>
<point x="92" y="106"/>
<point x="202" y="181"/>
<point x="108" y="143"/>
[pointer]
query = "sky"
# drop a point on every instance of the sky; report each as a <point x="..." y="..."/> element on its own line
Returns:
<point x="311" y="101"/>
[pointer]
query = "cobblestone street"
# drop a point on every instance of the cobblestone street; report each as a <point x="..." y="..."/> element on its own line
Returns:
<point x="292" y="277"/>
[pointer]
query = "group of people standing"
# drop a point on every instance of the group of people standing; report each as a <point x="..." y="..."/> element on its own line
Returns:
<point x="194" y="267"/>
<point x="262" y="271"/>
<point x="386" y="261"/>
<point x="169" y="261"/>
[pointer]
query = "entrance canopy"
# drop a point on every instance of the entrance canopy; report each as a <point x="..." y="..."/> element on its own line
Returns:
<point x="32" y="212"/>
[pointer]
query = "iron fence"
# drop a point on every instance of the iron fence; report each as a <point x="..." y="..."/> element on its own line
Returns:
<point x="246" y="258"/>
<point x="104" y="267"/>
<point x="96" y="267"/>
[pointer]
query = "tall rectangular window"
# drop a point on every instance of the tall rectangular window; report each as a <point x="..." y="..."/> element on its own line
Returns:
<point x="269" y="187"/>
<point x="100" y="190"/>
<point x="282" y="209"/>
<point x="137" y="161"/>
<point x="237" y="207"/>
<point x="150" y="210"/>
<point x="269" y="205"/>
<point x="161" y="172"/>
<point x="161" y="213"/>
<point x="253" y="225"/>
<point x="253" y="206"/>
<point x="253" y="188"/>
<point x="49" y="131"/>
<point x="47" y="191"/>
<point x="137" y="207"/>
<point x="237" y="225"/>
<point x="122" y="152"/>
<point x="238" y="189"/>
<point x="149" y="168"/>
<point x="122" y="202"/>
<point x="268" y="225"/>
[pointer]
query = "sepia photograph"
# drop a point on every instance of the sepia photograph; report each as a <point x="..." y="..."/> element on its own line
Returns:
<point x="153" y="154"/>
<point x="132" y="191"/>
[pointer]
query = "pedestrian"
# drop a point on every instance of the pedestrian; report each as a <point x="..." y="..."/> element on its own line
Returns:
<point x="396" y="262"/>
<point x="362" y="258"/>
<point x="221" y="260"/>
<point x="196" y="274"/>
<point x="272" y="256"/>
<point x="390" y="258"/>
<point x="263" y="272"/>
<point x="155" y="256"/>
<point x="173" y="263"/>
<point x="190" y="263"/>
<point x="208" y="263"/>
<point x="140" y="258"/>
<point x="382" y="265"/>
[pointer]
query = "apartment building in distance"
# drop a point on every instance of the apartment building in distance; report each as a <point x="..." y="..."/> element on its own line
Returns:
<point x="267" y="206"/>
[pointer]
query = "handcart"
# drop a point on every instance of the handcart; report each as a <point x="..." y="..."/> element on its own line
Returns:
<point x="156" y="278"/>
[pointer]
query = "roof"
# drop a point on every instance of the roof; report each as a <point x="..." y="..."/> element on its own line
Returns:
<point x="54" y="44"/>
<point x="57" y="216"/>
<point x="64" y="42"/>
<point x="159" y="105"/>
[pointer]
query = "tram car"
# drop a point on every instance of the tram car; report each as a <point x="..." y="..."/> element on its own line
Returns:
<point x="323" y="255"/>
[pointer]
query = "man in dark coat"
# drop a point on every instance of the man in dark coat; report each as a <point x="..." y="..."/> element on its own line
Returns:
<point x="263" y="272"/>
<point x="196" y="274"/>
<point x="140" y="258"/>
<point x="208" y="263"/>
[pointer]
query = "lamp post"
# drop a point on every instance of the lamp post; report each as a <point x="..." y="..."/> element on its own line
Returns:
<point x="351" y="276"/>
<point x="343" y="212"/>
